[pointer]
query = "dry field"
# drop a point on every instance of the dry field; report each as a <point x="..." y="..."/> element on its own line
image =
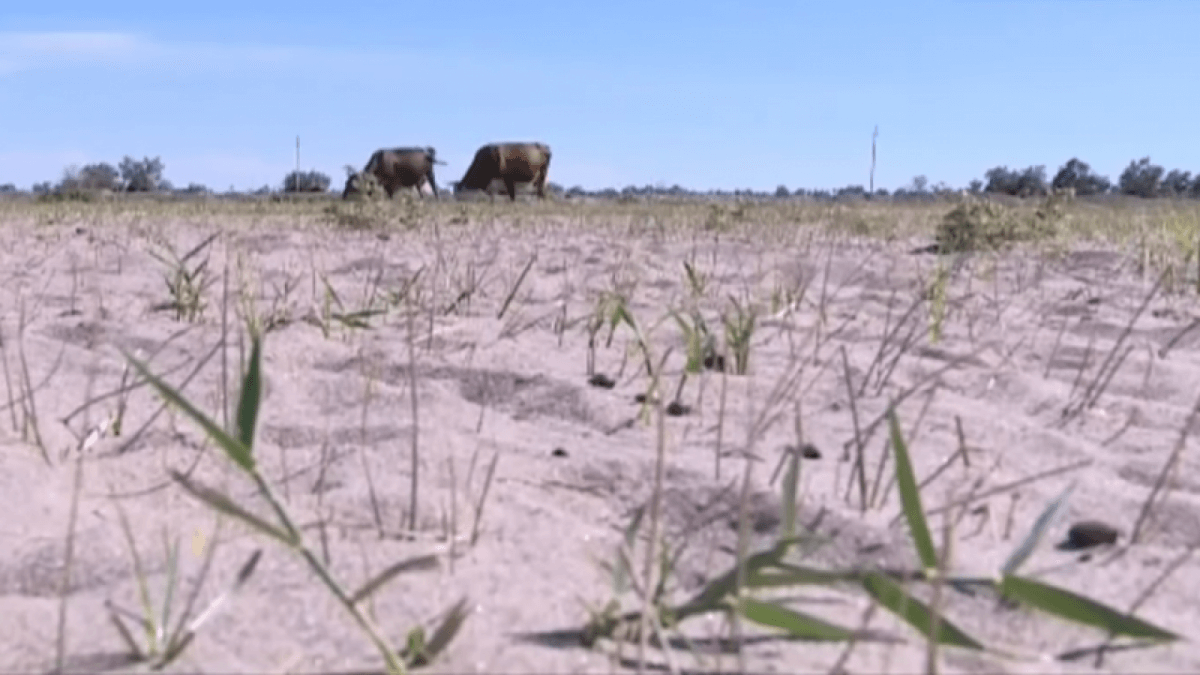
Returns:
<point x="514" y="483"/>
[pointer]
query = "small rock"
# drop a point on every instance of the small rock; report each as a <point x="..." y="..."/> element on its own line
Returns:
<point x="715" y="362"/>
<point x="809" y="451"/>
<point x="558" y="452"/>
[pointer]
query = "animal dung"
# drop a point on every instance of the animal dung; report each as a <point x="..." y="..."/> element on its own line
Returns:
<point x="715" y="362"/>
<point x="677" y="409"/>
<point x="602" y="381"/>
<point x="1089" y="533"/>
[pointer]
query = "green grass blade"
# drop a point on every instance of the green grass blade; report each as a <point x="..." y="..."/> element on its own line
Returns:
<point x="375" y="583"/>
<point x="1079" y="609"/>
<point x="169" y="592"/>
<point x="791" y="483"/>
<point x="225" y="505"/>
<point x="712" y="596"/>
<point x="174" y="650"/>
<point x="330" y="293"/>
<point x="239" y="453"/>
<point x="126" y="636"/>
<point x="251" y="397"/>
<point x="243" y="575"/>
<point x="1040" y="526"/>
<point x="785" y="574"/>
<point x="139" y="571"/>
<point x="910" y="496"/>
<point x="442" y="635"/>
<point x="797" y="625"/>
<point x="691" y="338"/>
<point x="892" y="597"/>
<point x="621" y="571"/>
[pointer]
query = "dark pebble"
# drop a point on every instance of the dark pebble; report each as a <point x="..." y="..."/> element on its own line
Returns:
<point x="558" y="452"/>
<point x="715" y="362"/>
<point x="809" y="451"/>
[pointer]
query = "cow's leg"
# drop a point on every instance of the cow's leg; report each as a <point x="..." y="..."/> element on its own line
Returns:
<point x="511" y="185"/>
<point x="433" y="184"/>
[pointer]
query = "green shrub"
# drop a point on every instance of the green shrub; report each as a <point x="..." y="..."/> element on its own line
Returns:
<point x="980" y="225"/>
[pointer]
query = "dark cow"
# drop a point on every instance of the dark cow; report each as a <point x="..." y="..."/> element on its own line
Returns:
<point x="510" y="162"/>
<point x="398" y="168"/>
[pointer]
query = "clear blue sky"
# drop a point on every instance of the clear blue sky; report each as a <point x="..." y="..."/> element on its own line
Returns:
<point x="704" y="94"/>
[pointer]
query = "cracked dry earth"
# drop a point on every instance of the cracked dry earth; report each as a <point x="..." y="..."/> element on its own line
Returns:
<point x="574" y="461"/>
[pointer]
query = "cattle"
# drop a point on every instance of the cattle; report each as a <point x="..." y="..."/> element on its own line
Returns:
<point x="511" y="163"/>
<point x="397" y="168"/>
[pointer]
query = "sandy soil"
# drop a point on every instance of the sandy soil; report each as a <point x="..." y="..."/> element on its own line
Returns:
<point x="574" y="462"/>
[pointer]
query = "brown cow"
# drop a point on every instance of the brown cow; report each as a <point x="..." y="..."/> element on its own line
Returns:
<point x="511" y="163"/>
<point x="396" y="168"/>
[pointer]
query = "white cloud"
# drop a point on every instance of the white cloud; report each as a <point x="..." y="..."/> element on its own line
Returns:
<point x="29" y="51"/>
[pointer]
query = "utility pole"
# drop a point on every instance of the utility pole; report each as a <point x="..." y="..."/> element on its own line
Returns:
<point x="873" y="137"/>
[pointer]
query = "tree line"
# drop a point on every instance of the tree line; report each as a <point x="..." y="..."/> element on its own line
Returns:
<point x="1141" y="178"/>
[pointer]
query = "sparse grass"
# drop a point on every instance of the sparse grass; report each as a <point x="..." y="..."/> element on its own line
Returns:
<point x="332" y="312"/>
<point x="239" y="450"/>
<point x="186" y="281"/>
<point x="762" y="572"/>
<point x="768" y="317"/>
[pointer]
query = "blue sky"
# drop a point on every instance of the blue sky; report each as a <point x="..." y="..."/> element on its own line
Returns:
<point x="703" y="94"/>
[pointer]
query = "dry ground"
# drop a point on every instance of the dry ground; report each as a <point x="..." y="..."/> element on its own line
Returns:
<point x="1025" y="337"/>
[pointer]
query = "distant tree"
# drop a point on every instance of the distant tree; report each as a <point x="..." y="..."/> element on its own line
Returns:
<point x="91" y="177"/>
<point x="781" y="191"/>
<point x="8" y="187"/>
<point x="306" y="181"/>
<point x="1140" y="178"/>
<point x="1195" y="189"/>
<point x="919" y="183"/>
<point x="1030" y="182"/>
<point x="975" y="186"/>
<point x="1177" y="183"/>
<point x="852" y="191"/>
<point x="196" y="189"/>
<point x="1077" y="174"/>
<point x="576" y="191"/>
<point x="144" y="175"/>
<point x="881" y="192"/>
<point x="42" y="188"/>
<point x="264" y="190"/>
